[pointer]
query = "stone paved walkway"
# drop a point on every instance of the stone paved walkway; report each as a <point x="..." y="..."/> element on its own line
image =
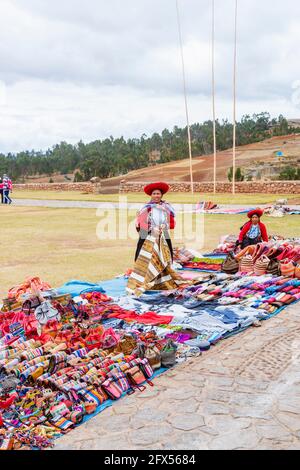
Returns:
<point x="242" y="394"/>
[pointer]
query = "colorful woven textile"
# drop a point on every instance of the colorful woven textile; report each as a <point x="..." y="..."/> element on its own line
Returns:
<point x="152" y="270"/>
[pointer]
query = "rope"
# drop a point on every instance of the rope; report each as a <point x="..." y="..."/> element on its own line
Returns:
<point x="234" y="99"/>
<point x="213" y="95"/>
<point x="185" y="97"/>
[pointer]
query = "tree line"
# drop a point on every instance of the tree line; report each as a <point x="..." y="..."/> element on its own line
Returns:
<point x="116" y="156"/>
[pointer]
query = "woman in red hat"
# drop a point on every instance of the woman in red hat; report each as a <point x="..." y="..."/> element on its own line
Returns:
<point x="156" y="216"/>
<point x="254" y="231"/>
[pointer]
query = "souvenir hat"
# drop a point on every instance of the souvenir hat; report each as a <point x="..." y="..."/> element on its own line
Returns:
<point x="259" y="212"/>
<point x="163" y="187"/>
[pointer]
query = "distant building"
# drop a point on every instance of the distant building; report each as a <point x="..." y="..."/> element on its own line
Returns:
<point x="154" y="157"/>
<point x="294" y="123"/>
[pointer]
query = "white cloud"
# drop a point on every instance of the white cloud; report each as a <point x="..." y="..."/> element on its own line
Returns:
<point x="72" y="70"/>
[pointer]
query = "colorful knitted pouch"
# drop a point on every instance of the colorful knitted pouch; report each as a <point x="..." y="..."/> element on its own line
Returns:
<point x="246" y="264"/>
<point x="287" y="268"/>
<point x="261" y="265"/>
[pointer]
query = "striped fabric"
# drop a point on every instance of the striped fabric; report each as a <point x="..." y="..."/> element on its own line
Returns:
<point x="287" y="268"/>
<point x="152" y="270"/>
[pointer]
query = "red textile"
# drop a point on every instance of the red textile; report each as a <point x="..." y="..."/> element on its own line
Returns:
<point x="203" y="266"/>
<point x="148" y="318"/>
<point x="246" y="228"/>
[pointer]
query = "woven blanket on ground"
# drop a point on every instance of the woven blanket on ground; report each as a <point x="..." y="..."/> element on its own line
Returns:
<point x="206" y="264"/>
<point x="152" y="270"/>
<point x="223" y="211"/>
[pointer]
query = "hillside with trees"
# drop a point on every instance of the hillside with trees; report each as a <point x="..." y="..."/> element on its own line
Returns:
<point x="117" y="156"/>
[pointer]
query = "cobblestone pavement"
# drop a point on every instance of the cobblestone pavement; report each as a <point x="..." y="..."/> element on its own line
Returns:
<point x="242" y="394"/>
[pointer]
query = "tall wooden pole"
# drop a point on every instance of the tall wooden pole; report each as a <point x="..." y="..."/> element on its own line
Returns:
<point x="213" y="95"/>
<point x="234" y="100"/>
<point x="185" y="97"/>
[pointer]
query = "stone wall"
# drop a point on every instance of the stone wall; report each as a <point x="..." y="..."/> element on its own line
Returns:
<point x="87" y="187"/>
<point x="271" y="187"/>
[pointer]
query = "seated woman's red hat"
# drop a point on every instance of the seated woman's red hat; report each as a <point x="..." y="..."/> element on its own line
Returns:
<point x="258" y="212"/>
<point x="163" y="187"/>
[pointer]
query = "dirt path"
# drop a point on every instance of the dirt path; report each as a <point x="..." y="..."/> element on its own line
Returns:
<point x="242" y="394"/>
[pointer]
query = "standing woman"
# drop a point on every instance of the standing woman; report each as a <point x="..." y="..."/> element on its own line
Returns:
<point x="155" y="216"/>
<point x="1" y="190"/>
<point x="154" y="253"/>
<point x="254" y="231"/>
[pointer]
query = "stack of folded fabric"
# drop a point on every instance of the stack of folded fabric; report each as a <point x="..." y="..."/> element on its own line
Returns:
<point x="208" y="263"/>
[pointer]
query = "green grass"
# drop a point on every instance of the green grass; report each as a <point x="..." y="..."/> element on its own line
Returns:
<point x="249" y="199"/>
<point x="61" y="244"/>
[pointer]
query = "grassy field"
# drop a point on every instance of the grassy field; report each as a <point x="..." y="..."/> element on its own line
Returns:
<point x="61" y="244"/>
<point x="248" y="199"/>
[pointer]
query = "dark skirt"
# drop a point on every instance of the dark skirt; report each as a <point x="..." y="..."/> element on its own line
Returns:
<point x="143" y="235"/>
<point x="250" y="241"/>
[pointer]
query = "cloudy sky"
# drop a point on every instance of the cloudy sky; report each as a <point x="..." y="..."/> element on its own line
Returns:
<point x="72" y="70"/>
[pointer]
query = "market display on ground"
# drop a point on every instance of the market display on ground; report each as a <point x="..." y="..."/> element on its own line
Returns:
<point x="68" y="353"/>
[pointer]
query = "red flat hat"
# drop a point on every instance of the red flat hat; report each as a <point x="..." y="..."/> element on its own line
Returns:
<point x="163" y="187"/>
<point x="258" y="212"/>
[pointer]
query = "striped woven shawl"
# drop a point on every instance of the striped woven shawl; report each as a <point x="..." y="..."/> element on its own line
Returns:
<point x="152" y="269"/>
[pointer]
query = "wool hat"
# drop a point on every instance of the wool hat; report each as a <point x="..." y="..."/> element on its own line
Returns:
<point x="259" y="212"/>
<point x="163" y="187"/>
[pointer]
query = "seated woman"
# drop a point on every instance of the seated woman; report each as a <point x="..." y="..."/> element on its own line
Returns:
<point x="154" y="253"/>
<point x="254" y="231"/>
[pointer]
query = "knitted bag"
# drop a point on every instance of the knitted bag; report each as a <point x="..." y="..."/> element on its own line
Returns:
<point x="146" y="368"/>
<point x="112" y="389"/>
<point x="230" y="265"/>
<point x="246" y="264"/>
<point x="261" y="265"/>
<point x="274" y="267"/>
<point x="287" y="268"/>
<point x="120" y="379"/>
<point x="150" y="352"/>
<point x="127" y="344"/>
<point x="297" y="271"/>
<point x="168" y="354"/>
<point x="136" y="377"/>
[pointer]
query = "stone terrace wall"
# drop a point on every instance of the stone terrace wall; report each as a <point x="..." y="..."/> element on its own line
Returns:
<point x="272" y="187"/>
<point x="82" y="187"/>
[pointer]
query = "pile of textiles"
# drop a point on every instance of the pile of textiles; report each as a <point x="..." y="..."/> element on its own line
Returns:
<point x="226" y="245"/>
<point x="222" y="304"/>
<point x="182" y="255"/>
<point x="278" y="210"/>
<point x="208" y="263"/>
<point x="29" y="286"/>
<point x="211" y="208"/>
<point x="206" y="206"/>
<point x="65" y="358"/>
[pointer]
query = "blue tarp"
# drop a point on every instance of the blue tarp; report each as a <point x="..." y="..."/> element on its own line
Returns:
<point x="79" y="287"/>
<point x="113" y="287"/>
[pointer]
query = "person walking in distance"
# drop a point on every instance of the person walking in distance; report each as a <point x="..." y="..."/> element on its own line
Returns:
<point x="7" y="188"/>
<point x="1" y="190"/>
